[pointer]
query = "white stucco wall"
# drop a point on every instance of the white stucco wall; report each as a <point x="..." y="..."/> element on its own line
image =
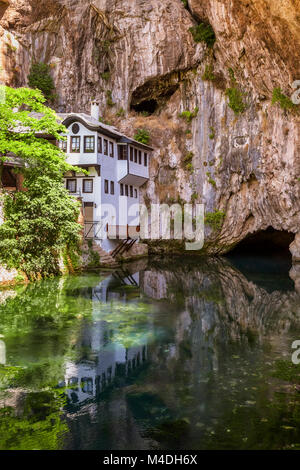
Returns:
<point x="112" y="209"/>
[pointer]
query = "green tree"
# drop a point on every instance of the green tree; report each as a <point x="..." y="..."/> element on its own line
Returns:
<point x="41" y="221"/>
<point x="39" y="77"/>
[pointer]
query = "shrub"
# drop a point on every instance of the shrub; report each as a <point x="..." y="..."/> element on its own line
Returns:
<point x="188" y="116"/>
<point x="211" y="180"/>
<point x="208" y="74"/>
<point x="39" y="77"/>
<point x="121" y="112"/>
<point x="215" y="219"/>
<point x="284" y="101"/>
<point x="105" y="75"/>
<point x="143" y="136"/>
<point x="189" y="167"/>
<point x="203" y="32"/>
<point x="188" y="158"/>
<point x="109" y="100"/>
<point x="106" y="45"/>
<point x="236" y="101"/>
<point x="212" y="133"/>
<point x="194" y="197"/>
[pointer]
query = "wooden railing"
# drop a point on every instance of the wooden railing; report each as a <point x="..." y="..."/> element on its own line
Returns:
<point x="92" y="230"/>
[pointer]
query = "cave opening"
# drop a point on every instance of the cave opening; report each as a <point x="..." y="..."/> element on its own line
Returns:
<point x="265" y="258"/>
<point x="269" y="242"/>
<point x="146" y="106"/>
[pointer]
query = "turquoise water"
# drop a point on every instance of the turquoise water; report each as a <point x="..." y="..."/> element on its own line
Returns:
<point x="162" y="354"/>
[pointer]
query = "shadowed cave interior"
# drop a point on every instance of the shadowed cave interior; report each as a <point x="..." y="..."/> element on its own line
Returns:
<point x="147" y="106"/>
<point x="263" y="253"/>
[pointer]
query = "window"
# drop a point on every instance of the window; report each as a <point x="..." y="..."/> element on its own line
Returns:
<point x="71" y="186"/>
<point x="131" y="154"/>
<point x="99" y="144"/>
<point x="106" y="186"/>
<point x="131" y="191"/>
<point x="89" y="144"/>
<point x="122" y="152"/>
<point x="145" y="159"/>
<point x="140" y="157"/>
<point x="63" y="145"/>
<point x="87" y="385"/>
<point x="121" y="189"/>
<point x="112" y="187"/>
<point x="111" y="149"/>
<point x="135" y="155"/>
<point x="75" y="144"/>
<point x="126" y="190"/>
<point x="135" y="193"/>
<point x="105" y="147"/>
<point x="87" y="186"/>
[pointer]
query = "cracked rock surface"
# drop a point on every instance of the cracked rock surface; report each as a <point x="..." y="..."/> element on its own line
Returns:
<point x="246" y="165"/>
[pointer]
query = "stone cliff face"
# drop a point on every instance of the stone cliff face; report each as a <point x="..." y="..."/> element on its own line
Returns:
<point x="136" y="55"/>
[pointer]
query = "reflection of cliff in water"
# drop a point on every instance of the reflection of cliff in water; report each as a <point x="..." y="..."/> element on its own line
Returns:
<point x="213" y="291"/>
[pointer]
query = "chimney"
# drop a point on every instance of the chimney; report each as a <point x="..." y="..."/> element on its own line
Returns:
<point x="95" y="110"/>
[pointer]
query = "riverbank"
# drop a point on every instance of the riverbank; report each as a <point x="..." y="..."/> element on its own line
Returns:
<point x="92" y="258"/>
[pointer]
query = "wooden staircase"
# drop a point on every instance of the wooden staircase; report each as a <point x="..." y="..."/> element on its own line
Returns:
<point x="123" y="247"/>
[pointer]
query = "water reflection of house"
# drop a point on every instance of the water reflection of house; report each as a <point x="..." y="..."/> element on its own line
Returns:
<point x="108" y="361"/>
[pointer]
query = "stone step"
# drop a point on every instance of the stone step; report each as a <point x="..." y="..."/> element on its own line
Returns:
<point x="105" y="257"/>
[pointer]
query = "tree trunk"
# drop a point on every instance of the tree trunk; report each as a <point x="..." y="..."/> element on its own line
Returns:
<point x="1" y="172"/>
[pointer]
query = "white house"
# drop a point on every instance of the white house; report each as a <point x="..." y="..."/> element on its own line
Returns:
<point x="117" y="167"/>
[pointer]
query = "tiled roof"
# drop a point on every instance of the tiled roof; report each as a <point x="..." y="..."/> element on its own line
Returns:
<point x="98" y="125"/>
